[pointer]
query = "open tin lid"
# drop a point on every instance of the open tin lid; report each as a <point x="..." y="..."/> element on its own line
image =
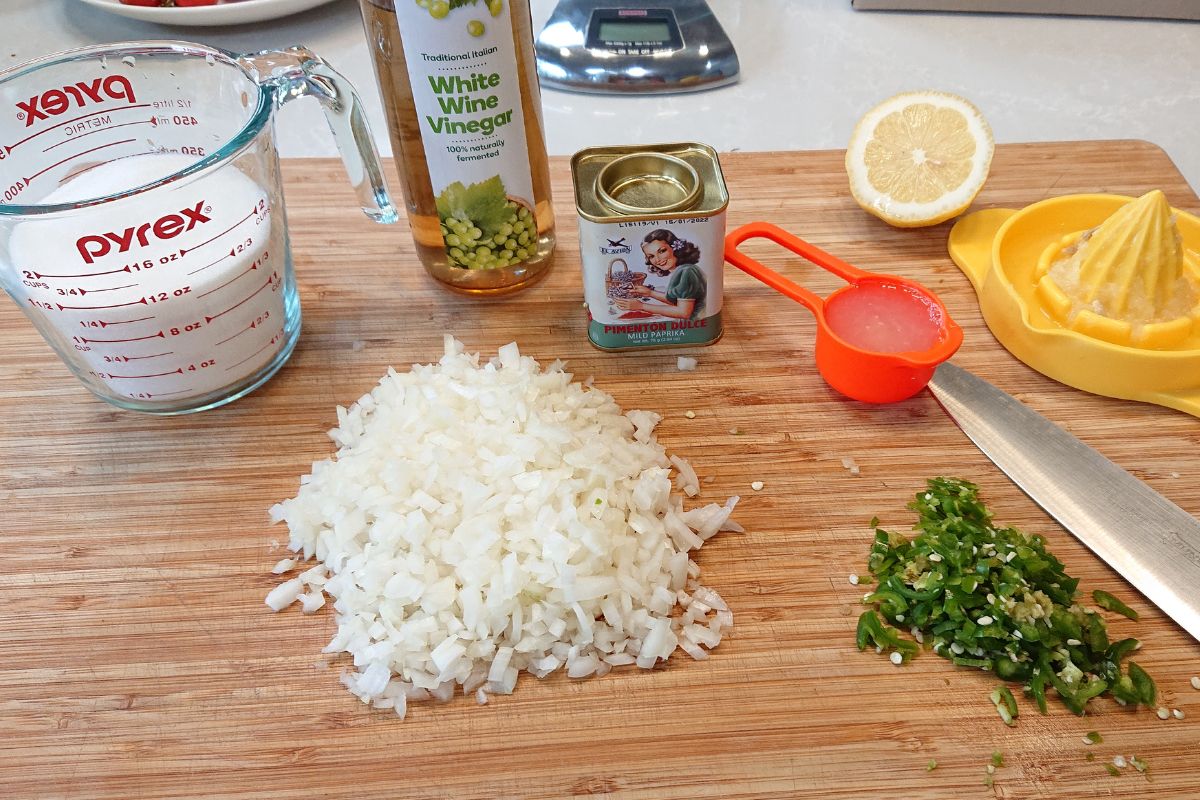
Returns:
<point x="648" y="183"/>
<point x="623" y="183"/>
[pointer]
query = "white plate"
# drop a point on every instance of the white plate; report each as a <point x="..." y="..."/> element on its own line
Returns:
<point x="241" y="12"/>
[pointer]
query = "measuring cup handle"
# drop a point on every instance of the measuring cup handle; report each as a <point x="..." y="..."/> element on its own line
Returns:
<point x="765" y="230"/>
<point x="299" y="72"/>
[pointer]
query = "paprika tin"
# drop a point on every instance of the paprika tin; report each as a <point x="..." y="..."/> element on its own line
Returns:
<point x="651" y="238"/>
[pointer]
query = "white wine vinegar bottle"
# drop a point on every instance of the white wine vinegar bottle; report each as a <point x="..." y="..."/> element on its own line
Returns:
<point x="460" y="88"/>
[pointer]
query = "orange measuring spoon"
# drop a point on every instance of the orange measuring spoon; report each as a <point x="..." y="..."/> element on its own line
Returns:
<point x="879" y="338"/>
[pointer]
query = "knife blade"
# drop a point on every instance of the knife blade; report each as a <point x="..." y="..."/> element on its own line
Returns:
<point x="1152" y="542"/>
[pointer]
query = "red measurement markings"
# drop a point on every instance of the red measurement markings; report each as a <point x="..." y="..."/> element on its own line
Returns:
<point x="110" y="289"/>
<point x="249" y="327"/>
<point x="161" y="297"/>
<point x="159" y="335"/>
<point x="274" y="340"/>
<point x="77" y="155"/>
<point x="186" y="250"/>
<point x="213" y="264"/>
<point x="269" y="281"/>
<point x="10" y="147"/>
<point x="104" y="324"/>
<point x="84" y="274"/>
<point x="233" y="251"/>
<point x="178" y="371"/>
<point x="99" y="130"/>
<point x="80" y="292"/>
<point x="253" y="267"/>
<point x="155" y="395"/>
<point x="127" y="359"/>
<point x="70" y="176"/>
<point x="61" y="307"/>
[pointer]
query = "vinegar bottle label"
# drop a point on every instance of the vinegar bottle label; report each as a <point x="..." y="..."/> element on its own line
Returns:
<point x="462" y="65"/>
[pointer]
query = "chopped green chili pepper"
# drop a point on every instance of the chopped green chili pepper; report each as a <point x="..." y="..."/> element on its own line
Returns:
<point x="1091" y="756"/>
<point x="1118" y="650"/>
<point x="981" y="663"/>
<point x="1097" y="636"/>
<point x="996" y="599"/>
<point x="931" y="766"/>
<point x="872" y="631"/>
<point x="1112" y="770"/>
<point x="1094" y="737"/>
<point x="1110" y="603"/>
<point x="1013" y="670"/>
<point x="1037" y="689"/>
<point x="997" y="756"/>
<point x="1139" y="764"/>
<point x="1006" y="707"/>
<point x="890" y="603"/>
<point x="1093" y="687"/>
<point x="863" y="634"/>
<point x="1142" y="684"/>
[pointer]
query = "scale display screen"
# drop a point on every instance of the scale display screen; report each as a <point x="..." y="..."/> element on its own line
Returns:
<point x="631" y="47"/>
<point x="634" y="31"/>
<point x="620" y="31"/>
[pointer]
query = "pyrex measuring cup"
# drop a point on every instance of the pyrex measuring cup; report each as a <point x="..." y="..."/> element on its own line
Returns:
<point x="879" y="338"/>
<point x="142" y="226"/>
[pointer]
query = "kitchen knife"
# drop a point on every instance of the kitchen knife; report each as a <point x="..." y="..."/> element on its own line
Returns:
<point x="1151" y="541"/>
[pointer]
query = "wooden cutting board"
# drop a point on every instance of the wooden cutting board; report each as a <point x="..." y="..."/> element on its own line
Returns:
<point x="137" y="659"/>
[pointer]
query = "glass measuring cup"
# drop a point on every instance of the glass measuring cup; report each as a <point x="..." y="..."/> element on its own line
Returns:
<point x="142" y="226"/>
<point x="879" y="338"/>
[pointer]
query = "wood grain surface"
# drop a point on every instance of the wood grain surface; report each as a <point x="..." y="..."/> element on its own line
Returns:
<point x="137" y="659"/>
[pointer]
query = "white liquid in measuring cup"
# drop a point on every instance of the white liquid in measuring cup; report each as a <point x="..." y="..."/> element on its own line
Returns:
<point x="167" y="295"/>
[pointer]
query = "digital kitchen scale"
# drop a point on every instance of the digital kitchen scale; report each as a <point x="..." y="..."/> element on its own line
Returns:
<point x="621" y="46"/>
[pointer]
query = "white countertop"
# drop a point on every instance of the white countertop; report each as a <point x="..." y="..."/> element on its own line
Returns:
<point x="810" y="68"/>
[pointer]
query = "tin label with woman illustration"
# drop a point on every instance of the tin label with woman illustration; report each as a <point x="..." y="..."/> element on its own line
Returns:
<point x="651" y="235"/>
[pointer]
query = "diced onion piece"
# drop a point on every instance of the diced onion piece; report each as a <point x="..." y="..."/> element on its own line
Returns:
<point x="484" y="518"/>
<point x="692" y="649"/>
<point x="686" y="479"/>
<point x="284" y="594"/>
<point x="310" y="603"/>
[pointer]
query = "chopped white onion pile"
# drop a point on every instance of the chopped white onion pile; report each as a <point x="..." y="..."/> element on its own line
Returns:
<point x="480" y="520"/>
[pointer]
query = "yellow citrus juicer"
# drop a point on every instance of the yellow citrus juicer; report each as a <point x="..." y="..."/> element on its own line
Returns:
<point x="1100" y="292"/>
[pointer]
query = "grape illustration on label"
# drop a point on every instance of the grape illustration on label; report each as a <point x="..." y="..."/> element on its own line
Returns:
<point x="468" y="100"/>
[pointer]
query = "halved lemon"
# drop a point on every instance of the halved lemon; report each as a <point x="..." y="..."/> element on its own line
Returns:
<point x="919" y="158"/>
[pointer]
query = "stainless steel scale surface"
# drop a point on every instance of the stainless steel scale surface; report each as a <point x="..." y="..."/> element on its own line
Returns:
<point x="622" y="47"/>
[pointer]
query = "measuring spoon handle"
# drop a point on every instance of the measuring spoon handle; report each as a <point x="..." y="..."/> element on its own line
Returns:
<point x="765" y="230"/>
